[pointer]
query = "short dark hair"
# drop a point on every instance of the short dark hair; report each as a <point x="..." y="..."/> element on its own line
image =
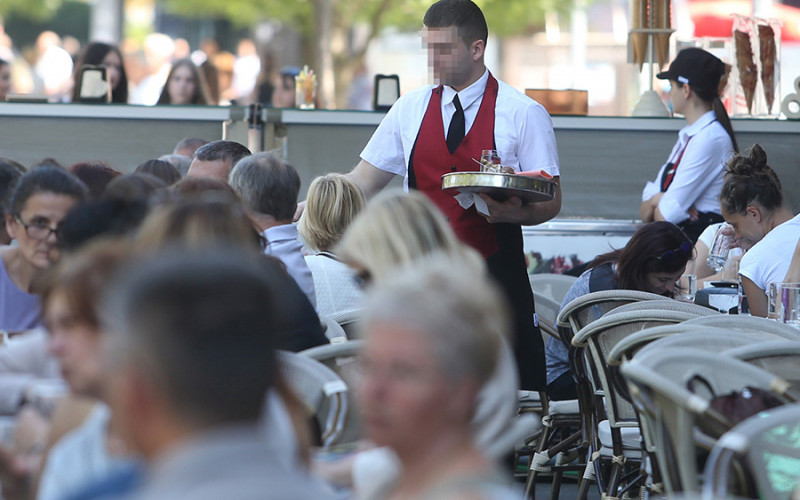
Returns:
<point x="267" y="185"/>
<point x="46" y="180"/>
<point x="136" y="186"/>
<point x="10" y="172"/>
<point x="100" y="218"/>
<point x="205" y="326"/>
<point x="230" y="151"/>
<point x="463" y="14"/>
<point x="162" y="169"/>
<point x="644" y="253"/>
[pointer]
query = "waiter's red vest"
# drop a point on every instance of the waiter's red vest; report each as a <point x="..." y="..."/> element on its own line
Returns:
<point x="431" y="159"/>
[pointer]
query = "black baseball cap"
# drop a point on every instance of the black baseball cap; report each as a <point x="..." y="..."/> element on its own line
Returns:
<point x="695" y="67"/>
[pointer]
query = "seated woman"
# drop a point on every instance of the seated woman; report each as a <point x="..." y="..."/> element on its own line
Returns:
<point x="699" y="264"/>
<point x="333" y="202"/>
<point x="394" y="232"/>
<point x="433" y="333"/>
<point x="793" y="274"/>
<point x="652" y="261"/>
<point x="40" y="202"/>
<point x="185" y="85"/>
<point x="752" y="202"/>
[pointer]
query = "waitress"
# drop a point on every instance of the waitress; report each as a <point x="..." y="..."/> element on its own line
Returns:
<point x="687" y="188"/>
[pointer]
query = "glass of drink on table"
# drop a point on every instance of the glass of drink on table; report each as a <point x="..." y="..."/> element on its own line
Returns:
<point x="790" y="303"/>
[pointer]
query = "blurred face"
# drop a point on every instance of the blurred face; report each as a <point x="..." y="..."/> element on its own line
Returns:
<point x="663" y="283"/>
<point x="5" y="81"/>
<point x="746" y="226"/>
<point x="452" y="62"/>
<point x="113" y="65"/>
<point x="42" y="213"/>
<point x="76" y="344"/>
<point x="181" y="86"/>
<point x="213" y="169"/>
<point x="407" y="401"/>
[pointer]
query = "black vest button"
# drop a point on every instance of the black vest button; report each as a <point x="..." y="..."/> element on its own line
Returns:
<point x="453" y="168"/>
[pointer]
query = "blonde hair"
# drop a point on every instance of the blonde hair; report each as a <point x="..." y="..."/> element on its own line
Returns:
<point x="332" y="203"/>
<point x="397" y="228"/>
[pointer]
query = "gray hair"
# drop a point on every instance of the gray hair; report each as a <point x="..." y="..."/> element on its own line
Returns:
<point x="267" y="185"/>
<point x="459" y="310"/>
<point x="202" y="326"/>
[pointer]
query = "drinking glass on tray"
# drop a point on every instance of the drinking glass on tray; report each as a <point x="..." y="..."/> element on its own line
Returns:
<point x="490" y="161"/>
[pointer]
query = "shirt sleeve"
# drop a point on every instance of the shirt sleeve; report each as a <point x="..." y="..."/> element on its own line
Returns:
<point x="385" y="148"/>
<point x="537" y="148"/>
<point x="701" y="164"/>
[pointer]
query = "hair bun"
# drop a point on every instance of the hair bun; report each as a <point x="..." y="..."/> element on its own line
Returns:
<point x="758" y="157"/>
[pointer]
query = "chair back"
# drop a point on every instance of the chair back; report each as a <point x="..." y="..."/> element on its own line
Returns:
<point x="709" y="338"/>
<point x="320" y="389"/>
<point x="333" y="330"/>
<point x="628" y="347"/>
<point x="554" y="286"/>
<point x="587" y="308"/>
<point x="749" y="323"/>
<point x="659" y="383"/>
<point x="341" y="358"/>
<point x="547" y="312"/>
<point x="667" y="305"/>
<point x="762" y="452"/>
<point x="781" y="358"/>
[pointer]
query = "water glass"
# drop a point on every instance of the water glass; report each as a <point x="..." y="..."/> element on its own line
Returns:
<point x="490" y="161"/>
<point x="686" y="288"/>
<point x="790" y="304"/>
<point x="720" y="246"/>
<point x="774" y="309"/>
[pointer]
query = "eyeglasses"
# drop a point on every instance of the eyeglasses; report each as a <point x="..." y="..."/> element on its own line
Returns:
<point x="672" y="256"/>
<point x="38" y="230"/>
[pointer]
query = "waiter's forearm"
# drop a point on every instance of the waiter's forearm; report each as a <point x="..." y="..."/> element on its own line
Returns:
<point x="525" y="214"/>
<point x="369" y="178"/>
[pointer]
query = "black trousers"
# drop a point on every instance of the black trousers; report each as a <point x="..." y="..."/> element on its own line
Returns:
<point x="694" y="228"/>
<point x="508" y="267"/>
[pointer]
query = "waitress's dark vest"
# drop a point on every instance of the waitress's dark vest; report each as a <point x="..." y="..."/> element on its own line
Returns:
<point x="500" y="244"/>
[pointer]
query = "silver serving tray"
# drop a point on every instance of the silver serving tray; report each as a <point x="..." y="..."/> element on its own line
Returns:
<point x="499" y="186"/>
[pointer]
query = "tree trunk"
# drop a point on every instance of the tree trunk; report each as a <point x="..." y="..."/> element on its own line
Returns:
<point x="323" y="57"/>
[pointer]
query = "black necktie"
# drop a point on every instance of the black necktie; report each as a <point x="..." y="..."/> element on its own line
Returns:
<point x="455" y="134"/>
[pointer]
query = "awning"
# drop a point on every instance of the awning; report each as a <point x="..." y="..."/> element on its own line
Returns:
<point x="713" y="18"/>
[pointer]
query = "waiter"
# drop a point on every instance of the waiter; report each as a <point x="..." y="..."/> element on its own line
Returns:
<point x="440" y="129"/>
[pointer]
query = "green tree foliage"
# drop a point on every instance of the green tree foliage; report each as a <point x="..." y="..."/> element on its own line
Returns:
<point x="37" y="10"/>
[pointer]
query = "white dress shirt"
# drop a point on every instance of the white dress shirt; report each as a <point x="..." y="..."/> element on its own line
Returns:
<point x="283" y="243"/>
<point x="523" y="130"/>
<point x="698" y="180"/>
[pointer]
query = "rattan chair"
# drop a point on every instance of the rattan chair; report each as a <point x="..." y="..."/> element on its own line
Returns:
<point x="547" y="314"/>
<point x="617" y="447"/>
<point x="749" y="323"/>
<point x="320" y="389"/>
<point x="333" y="330"/>
<point x="628" y="347"/>
<point x="659" y="383"/>
<point x="709" y="338"/>
<point x="554" y="286"/>
<point x="667" y="305"/>
<point x="759" y="458"/>
<point x="781" y="358"/>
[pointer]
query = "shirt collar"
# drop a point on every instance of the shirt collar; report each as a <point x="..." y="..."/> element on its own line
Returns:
<point x="468" y="95"/>
<point x="700" y="124"/>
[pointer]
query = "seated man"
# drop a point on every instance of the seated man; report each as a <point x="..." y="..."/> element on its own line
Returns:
<point x="191" y="343"/>
<point x="216" y="159"/>
<point x="268" y="188"/>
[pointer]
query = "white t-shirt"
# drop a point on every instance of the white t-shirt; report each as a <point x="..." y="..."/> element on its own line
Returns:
<point x="523" y="131"/>
<point x="768" y="260"/>
<point x="697" y="183"/>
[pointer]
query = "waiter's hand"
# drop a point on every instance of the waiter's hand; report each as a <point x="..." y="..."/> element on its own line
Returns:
<point x="503" y="211"/>
<point x="299" y="211"/>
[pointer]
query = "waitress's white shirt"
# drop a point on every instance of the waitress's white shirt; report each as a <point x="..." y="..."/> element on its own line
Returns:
<point x="523" y="131"/>
<point x="698" y="180"/>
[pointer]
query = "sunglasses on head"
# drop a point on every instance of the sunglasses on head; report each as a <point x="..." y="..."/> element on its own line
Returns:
<point x="679" y="254"/>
